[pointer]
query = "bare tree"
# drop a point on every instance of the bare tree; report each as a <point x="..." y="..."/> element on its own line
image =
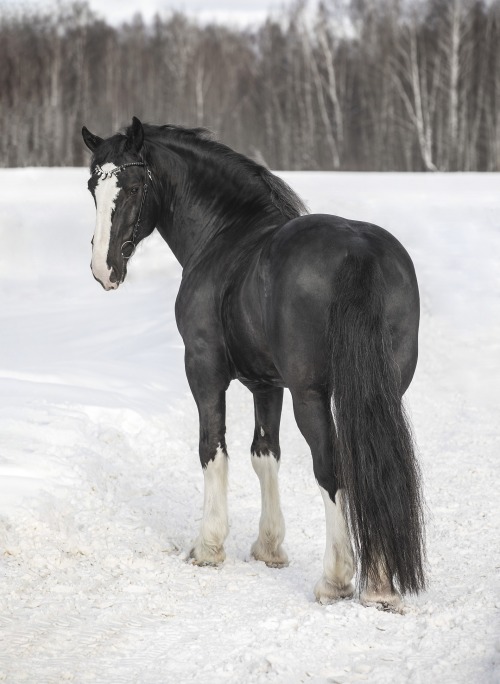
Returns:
<point x="374" y="84"/>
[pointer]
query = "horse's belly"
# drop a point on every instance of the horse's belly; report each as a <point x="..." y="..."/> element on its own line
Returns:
<point x="250" y="354"/>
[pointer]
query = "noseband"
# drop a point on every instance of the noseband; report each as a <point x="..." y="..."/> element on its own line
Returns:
<point x="128" y="247"/>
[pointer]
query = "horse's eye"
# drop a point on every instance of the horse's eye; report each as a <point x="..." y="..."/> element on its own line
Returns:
<point x="134" y="190"/>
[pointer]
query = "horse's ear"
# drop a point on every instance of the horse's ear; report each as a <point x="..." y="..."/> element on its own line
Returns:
<point x="92" y="141"/>
<point x="135" y="135"/>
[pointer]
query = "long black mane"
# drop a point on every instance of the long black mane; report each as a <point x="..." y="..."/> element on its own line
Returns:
<point x="235" y="186"/>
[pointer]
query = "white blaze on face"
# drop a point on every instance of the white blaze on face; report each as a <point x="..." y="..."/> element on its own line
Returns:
<point x="106" y="192"/>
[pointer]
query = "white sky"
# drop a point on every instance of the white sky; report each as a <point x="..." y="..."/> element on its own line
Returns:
<point x="240" y="12"/>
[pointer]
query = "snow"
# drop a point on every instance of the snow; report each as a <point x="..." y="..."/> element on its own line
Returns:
<point x="101" y="491"/>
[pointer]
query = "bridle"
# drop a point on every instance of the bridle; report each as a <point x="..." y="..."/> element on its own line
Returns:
<point x="129" y="246"/>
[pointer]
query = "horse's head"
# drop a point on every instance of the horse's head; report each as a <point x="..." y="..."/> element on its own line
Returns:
<point x="120" y="183"/>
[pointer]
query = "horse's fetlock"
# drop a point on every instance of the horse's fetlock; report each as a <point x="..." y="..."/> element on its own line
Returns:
<point x="273" y="555"/>
<point x="327" y="591"/>
<point x="207" y="554"/>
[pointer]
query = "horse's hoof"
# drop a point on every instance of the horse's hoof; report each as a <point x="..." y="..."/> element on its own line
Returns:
<point x="327" y="592"/>
<point x="387" y="602"/>
<point x="273" y="558"/>
<point x="203" y="555"/>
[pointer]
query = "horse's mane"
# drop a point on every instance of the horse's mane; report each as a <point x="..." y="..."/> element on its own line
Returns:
<point x="268" y="188"/>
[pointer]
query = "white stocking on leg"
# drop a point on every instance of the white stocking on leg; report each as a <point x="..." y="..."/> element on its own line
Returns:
<point x="338" y="566"/>
<point x="209" y="547"/>
<point x="268" y="548"/>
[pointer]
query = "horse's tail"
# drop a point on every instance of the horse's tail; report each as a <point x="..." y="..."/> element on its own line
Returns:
<point x="376" y="461"/>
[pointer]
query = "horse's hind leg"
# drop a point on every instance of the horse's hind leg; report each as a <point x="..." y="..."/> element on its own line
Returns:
<point x="266" y="460"/>
<point x="314" y="418"/>
<point x="381" y="594"/>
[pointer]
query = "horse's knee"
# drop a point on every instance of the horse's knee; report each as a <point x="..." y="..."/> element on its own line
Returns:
<point x="264" y="444"/>
<point x="259" y="446"/>
<point x="209" y="448"/>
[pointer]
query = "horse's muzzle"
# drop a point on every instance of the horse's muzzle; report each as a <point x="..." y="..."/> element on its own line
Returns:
<point x="109" y="283"/>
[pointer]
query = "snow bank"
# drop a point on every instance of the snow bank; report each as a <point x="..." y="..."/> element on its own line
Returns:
<point x="101" y="491"/>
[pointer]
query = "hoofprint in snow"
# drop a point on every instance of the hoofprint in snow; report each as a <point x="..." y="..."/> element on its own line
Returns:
<point x="101" y="493"/>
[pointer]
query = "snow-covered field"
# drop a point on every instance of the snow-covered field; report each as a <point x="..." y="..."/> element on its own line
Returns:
<point x="101" y="489"/>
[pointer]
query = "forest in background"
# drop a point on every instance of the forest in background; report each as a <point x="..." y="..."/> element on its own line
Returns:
<point x="379" y="85"/>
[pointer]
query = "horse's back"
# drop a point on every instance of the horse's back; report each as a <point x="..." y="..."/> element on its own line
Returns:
<point x="299" y="273"/>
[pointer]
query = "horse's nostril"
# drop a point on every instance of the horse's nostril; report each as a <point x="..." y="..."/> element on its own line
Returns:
<point x="112" y="276"/>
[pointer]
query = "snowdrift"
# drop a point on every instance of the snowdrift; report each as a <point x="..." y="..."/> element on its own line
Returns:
<point x="101" y="490"/>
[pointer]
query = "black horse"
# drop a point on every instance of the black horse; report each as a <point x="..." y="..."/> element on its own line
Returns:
<point x="325" y="306"/>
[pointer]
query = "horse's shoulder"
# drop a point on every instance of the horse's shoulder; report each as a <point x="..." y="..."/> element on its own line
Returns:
<point x="196" y="293"/>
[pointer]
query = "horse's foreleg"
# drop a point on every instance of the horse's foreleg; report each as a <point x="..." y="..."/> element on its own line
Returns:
<point x="312" y="412"/>
<point x="209" y="394"/>
<point x="209" y="546"/>
<point x="266" y="461"/>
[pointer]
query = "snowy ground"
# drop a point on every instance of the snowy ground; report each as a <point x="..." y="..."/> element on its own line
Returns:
<point x="101" y="491"/>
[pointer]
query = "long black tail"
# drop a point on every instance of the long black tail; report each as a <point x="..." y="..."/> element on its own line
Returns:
<point x="377" y="464"/>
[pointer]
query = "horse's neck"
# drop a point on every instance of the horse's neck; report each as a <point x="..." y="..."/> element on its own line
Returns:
<point x="182" y="227"/>
<point x="183" y="219"/>
<point x="190" y="218"/>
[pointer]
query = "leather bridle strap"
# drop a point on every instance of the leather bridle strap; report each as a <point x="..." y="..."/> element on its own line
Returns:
<point x="128" y="247"/>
